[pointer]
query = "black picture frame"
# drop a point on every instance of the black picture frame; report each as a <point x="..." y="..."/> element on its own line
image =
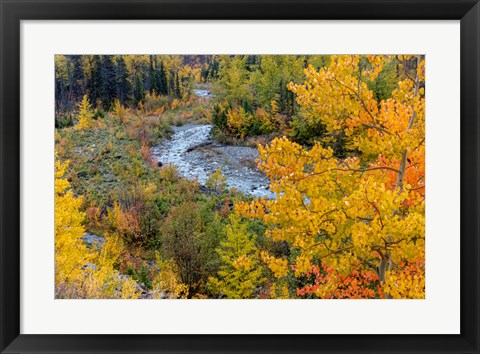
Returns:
<point x="13" y="11"/>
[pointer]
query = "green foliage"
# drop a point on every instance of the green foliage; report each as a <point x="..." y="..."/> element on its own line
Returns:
<point x="241" y="273"/>
<point x="386" y="81"/>
<point x="139" y="90"/>
<point x="154" y="103"/>
<point x="219" y="117"/>
<point x="144" y="277"/>
<point x="99" y="113"/>
<point x="305" y="133"/>
<point x="64" y="119"/>
<point x="127" y="78"/>
<point x="188" y="235"/>
<point x="216" y="181"/>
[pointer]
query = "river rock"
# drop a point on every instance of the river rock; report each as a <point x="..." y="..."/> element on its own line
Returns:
<point x="93" y="240"/>
<point x="89" y="266"/>
<point x="197" y="157"/>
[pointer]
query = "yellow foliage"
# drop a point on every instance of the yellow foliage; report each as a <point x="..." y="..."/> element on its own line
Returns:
<point x="240" y="273"/>
<point x="129" y="290"/>
<point x="85" y="115"/>
<point x="70" y="252"/>
<point x="119" y="111"/>
<point x="216" y="181"/>
<point x="104" y="281"/>
<point x="80" y="272"/>
<point x="238" y="121"/>
<point x="279" y="291"/>
<point x="175" y="104"/>
<point x="278" y="266"/>
<point x="168" y="281"/>
<point x="367" y="209"/>
<point x="125" y="222"/>
<point x="405" y="284"/>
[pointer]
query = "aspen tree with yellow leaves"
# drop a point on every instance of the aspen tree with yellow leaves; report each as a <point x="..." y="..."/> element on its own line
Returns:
<point x="363" y="212"/>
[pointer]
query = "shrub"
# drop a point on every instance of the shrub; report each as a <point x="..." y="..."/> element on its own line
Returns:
<point x="154" y="103"/>
<point x="216" y="181"/>
<point x="189" y="234"/>
<point x="239" y="122"/>
<point x="98" y="113"/>
<point x="119" y="111"/>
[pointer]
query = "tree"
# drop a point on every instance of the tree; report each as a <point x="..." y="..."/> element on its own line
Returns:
<point x="139" y="90"/>
<point x="94" y="84"/>
<point x="152" y="77"/>
<point x="82" y="272"/>
<point x="188" y="236"/>
<point x="70" y="252"/>
<point x="234" y="80"/>
<point x="77" y="77"/>
<point x="162" y="80"/>
<point x="85" y="115"/>
<point x="124" y="88"/>
<point x="109" y="87"/>
<point x="240" y="274"/>
<point x="178" y="89"/>
<point x="216" y="181"/>
<point x="363" y="212"/>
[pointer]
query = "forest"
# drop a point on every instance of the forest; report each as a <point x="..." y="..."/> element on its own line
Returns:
<point x="239" y="177"/>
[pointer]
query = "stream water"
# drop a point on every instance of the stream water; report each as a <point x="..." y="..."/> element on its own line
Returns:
<point x="197" y="156"/>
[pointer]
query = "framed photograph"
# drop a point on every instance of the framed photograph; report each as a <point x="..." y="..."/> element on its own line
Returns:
<point x="253" y="177"/>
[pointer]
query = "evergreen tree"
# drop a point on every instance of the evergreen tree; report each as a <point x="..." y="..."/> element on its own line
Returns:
<point x="139" y="91"/>
<point x="94" y="84"/>
<point x="108" y="81"/>
<point x="178" y="90"/>
<point x="162" y="80"/>
<point x="152" y="77"/>
<point x="171" y="84"/>
<point x="78" y="77"/>
<point x="124" y="88"/>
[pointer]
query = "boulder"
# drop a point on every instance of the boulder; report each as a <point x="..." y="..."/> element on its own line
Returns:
<point x="93" y="240"/>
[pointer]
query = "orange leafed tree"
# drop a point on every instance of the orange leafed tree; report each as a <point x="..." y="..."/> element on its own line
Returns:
<point x="357" y="216"/>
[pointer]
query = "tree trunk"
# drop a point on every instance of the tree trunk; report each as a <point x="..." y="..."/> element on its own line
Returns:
<point x="386" y="261"/>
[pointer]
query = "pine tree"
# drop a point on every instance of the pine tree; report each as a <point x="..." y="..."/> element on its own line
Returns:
<point x="178" y="91"/>
<point x="171" y="83"/>
<point x="95" y="83"/>
<point x="162" y="80"/>
<point x="124" y="88"/>
<point x="78" y="77"/>
<point x="139" y="91"/>
<point x="108" y="81"/>
<point x="152" y="77"/>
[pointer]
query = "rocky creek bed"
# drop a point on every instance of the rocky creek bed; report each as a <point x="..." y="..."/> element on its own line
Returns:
<point x="197" y="156"/>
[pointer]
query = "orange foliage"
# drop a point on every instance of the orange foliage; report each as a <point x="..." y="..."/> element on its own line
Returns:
<point x="358" y="284"/>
